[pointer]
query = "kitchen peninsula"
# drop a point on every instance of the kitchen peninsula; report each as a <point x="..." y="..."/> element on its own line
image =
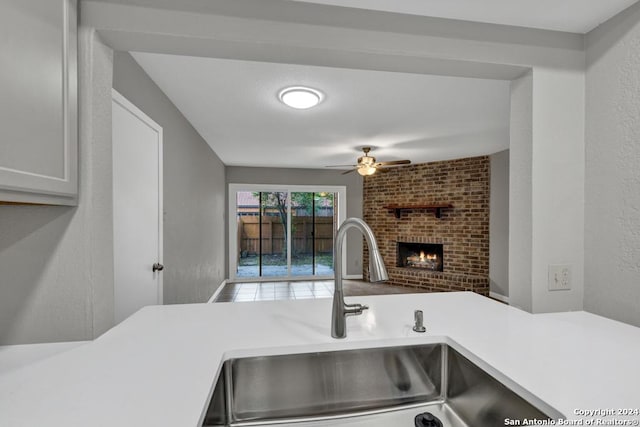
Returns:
<point x="159" y="366"/>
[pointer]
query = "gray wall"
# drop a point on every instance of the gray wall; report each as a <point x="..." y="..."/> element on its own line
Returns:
<point x="612" y="223"/>
<point x="499" y="224"/>
<point x="194" y="191"/>
<point x="353" y="182"/>
<point x="56" y="263"/>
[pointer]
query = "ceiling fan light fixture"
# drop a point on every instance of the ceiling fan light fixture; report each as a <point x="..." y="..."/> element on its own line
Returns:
<point x="366" y="170"/>
<point x="300" y="97"/>
<point x="367" y="165"/>
<point x="366" y="161"/>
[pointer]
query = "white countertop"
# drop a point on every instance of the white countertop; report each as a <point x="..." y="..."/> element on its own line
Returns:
<point x="158" y="367"/>
<point x="13" y="357"/>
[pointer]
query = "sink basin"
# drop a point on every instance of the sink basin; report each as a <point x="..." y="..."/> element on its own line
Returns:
<point x="357" y="387"/>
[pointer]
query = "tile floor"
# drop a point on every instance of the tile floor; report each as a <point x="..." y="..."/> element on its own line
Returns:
<point x="272" y="291"/>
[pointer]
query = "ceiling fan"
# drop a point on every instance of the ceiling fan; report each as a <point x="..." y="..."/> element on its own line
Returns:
<point x="367" y="164"/>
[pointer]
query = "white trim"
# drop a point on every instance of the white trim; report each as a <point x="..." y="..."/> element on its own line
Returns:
<point x="217" y="292"/>
<point x="160" y="212"/>
<point x="233" y="189"/>
<point x="499" y="297"/>
<point x="353" y="277"/>
<point x="130" y="107"/>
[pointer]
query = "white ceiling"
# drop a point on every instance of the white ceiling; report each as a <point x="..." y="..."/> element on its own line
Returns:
<point x="576" y="16"/>
<point x="234" y="106"/>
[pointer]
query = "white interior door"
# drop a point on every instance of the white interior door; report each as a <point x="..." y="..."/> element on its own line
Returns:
<point x="137" y="208"/>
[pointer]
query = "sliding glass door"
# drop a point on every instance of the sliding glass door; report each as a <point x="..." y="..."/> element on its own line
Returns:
<point x="283" y="232"/>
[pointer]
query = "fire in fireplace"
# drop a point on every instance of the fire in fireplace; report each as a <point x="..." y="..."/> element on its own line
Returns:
<point x="426" y="256"/>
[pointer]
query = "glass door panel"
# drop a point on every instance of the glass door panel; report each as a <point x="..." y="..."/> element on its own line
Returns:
<point x="302" y="232"/>
<point x="248" y="234"/>
<point x="262" y="233"/>
<point x="325" y="228"/>
<point x="312" y="230"/>
<point x="274" y="219"/>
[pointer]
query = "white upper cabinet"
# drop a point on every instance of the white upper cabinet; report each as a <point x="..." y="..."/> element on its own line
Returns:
<point x="38" y="102"/>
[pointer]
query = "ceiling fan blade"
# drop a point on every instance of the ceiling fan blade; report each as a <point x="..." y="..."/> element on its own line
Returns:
<point x="349" y="171"/>
<point x="394" y="163"/>
<point x="341" y="166"/>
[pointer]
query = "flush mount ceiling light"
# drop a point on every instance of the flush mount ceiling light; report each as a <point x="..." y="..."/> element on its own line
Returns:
<point x="300" y="97"/>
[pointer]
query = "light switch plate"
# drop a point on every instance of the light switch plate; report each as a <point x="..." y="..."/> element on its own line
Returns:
<point x="559" y="277"/>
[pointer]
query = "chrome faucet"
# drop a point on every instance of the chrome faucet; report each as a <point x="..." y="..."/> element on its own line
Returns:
<point x="377" y="273"/>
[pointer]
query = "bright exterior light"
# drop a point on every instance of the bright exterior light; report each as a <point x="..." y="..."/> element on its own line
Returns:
<point x="366" y="170"/>
<point x="300" y="97"/>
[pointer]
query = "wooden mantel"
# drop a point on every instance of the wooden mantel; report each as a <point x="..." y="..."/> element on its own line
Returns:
<point x="397" y="208"/>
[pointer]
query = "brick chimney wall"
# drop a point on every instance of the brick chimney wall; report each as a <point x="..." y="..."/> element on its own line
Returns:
<point x="463" y="230"/>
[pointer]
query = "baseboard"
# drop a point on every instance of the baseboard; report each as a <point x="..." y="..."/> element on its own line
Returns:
<point x="499" y="297"/>
<point x="352" y="276"/>
<point x="218" y="290"/>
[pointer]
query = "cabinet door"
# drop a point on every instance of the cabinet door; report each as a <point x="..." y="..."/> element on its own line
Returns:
<point x="38" y="101"/>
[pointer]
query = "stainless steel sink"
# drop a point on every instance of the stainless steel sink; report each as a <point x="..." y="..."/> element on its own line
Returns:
<point x="330" y="388"/>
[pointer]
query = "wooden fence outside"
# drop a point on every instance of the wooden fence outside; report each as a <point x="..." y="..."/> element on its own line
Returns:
<point x="273" y="241"/>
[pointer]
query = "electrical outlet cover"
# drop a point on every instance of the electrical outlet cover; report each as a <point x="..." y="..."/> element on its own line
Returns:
<point x="559" y="277"/>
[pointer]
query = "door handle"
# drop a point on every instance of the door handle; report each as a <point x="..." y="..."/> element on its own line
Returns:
<point x="157" y="267"/>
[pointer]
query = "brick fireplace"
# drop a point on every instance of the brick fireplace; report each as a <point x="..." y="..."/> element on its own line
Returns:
<point x="449" y="253"/>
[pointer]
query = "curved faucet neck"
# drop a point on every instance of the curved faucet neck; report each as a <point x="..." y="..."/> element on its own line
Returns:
<point x="340" y="309"/>
<point x="339" y="242"/>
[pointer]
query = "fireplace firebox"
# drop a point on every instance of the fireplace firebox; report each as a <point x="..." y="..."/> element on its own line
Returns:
<point x="425" y="256"/>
